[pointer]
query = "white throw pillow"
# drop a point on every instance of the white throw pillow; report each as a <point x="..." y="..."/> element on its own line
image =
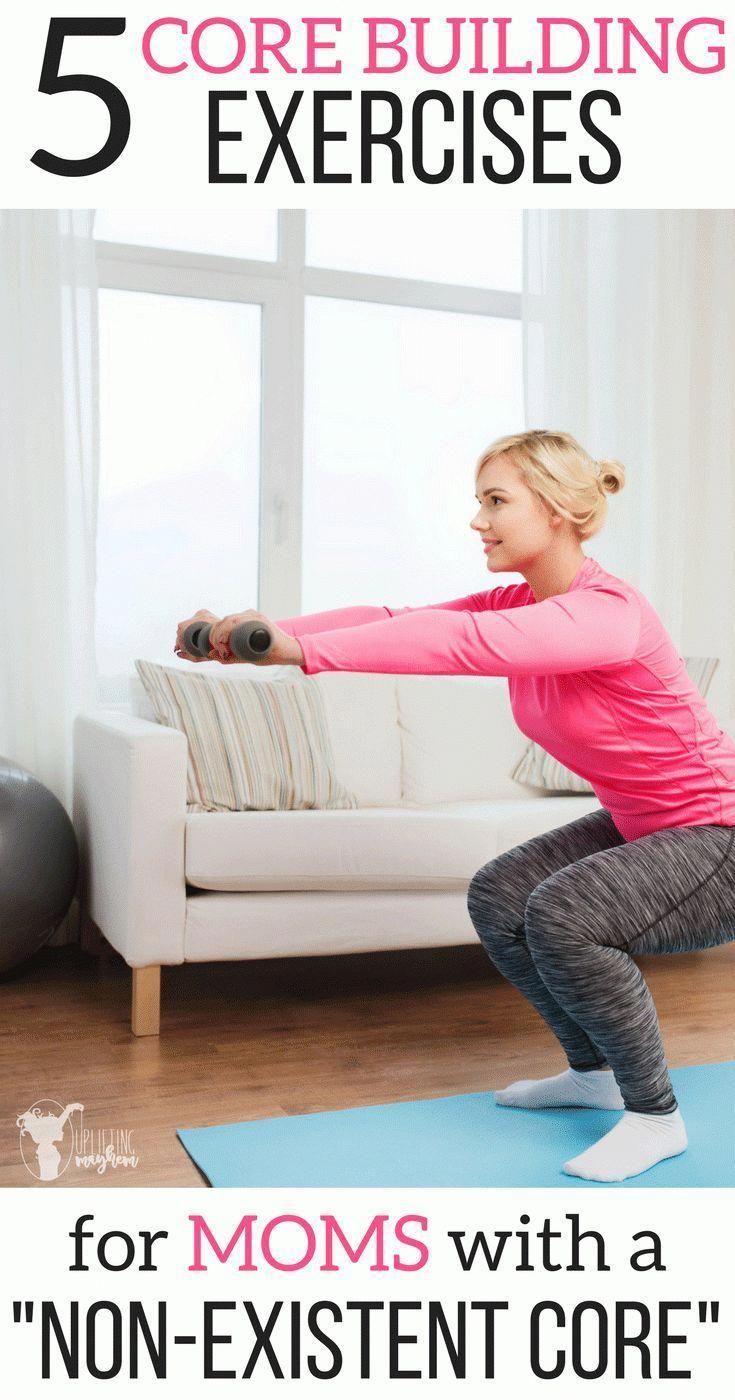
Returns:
<point x="362" y="718"/>
<point x="536" y="768"/>
<point x="458" y="736"/>
<point x="253" y="745"/>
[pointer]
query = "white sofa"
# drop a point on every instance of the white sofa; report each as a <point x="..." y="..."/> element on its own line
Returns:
<point x="428" y="758"/>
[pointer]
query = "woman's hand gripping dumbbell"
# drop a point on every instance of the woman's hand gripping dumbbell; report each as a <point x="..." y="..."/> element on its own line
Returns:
<point x="247" y="636"/>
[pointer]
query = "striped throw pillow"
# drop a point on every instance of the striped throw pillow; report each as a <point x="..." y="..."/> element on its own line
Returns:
<point x="536" y="768"/>
<point x="258" y="746"/>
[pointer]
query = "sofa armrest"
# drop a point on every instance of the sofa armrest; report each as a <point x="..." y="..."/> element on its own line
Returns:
<point x="130" y="818"/>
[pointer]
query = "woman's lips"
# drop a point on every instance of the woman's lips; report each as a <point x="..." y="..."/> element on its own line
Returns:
<point x="492" y="545"/>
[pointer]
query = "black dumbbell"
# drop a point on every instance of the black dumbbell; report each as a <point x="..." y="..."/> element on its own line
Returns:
<point x="248" y="641"/>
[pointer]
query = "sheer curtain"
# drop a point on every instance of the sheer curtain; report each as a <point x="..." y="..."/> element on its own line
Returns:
<point x="48" y="485"/>
<point x="629" y="343"/>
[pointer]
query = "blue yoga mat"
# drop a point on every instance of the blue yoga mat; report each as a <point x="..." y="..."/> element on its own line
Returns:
<point x="464" y="1140"/>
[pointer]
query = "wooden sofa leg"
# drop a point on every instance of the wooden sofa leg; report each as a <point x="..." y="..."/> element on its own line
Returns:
<point x="146" y="1018"/>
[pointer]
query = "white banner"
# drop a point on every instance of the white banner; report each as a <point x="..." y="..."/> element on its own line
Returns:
<point x="111" y="104"/>
<point x="384" y="1289"/>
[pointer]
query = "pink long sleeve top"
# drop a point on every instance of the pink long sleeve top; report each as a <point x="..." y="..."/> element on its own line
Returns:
<point x="593" y="677"/>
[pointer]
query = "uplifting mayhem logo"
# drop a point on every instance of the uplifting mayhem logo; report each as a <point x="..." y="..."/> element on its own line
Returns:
<point x="49" y="1140"/>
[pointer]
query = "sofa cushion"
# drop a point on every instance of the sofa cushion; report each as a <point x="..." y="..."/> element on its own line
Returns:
<point x="458" y="738"/>
<point x="139" y="701"/>
<point x="376" y="848"/>
<point x="362" y="717"/>
<point x="522" y="820"/>
<point x="251" y="746"/>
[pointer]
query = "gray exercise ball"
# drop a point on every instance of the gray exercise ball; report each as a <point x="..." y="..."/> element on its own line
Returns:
<point x="39" y="861"/>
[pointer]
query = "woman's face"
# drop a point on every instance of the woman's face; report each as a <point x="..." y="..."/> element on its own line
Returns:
<point x="516" y="524"/>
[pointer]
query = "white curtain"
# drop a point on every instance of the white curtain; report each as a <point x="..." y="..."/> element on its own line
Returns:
<point x="48" y="485"/>
<point x="629" y="343"/>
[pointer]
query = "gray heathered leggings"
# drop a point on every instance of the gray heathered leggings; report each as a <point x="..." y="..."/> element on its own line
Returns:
<point x="561" y="914"/>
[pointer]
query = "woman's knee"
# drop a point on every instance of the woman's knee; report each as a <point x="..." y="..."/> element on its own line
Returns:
<point x="551" y="916"/>
<point x="495" y="899"/>
<point x="480" y="893"/>
<point x="563" y="930"/>
<point x="486" y="902"/>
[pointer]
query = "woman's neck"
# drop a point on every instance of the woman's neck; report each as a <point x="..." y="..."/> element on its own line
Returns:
<point x="548" y="577"/>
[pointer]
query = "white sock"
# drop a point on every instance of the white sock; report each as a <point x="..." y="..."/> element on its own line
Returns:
<point x="638" y="1141"/>
<point x="591" y="1088"/>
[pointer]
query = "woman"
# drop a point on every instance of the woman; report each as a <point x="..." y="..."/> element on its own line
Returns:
<point x="595" y="678"/>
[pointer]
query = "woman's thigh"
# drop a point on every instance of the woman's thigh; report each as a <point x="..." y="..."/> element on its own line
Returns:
<point x="671" y="891"/>
<point x="508" y="879"/>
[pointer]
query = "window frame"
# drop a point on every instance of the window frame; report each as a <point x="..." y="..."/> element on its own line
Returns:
<point x="280" y="287"/>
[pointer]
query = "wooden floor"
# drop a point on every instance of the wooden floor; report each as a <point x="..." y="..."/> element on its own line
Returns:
<point x="253" y="1040"/>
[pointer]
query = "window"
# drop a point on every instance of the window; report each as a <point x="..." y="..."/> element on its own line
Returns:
<point x="291" y="408"/>
<point x="221" y="233"/>
<point x="399" y="403"/>
<point x="476" y="250"/>
<point x="179" y="470"/>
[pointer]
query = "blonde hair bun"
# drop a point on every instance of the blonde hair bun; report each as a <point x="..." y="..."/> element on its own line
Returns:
<point x="611" y="475"/>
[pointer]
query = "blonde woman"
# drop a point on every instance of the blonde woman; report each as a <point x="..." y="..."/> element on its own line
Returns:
<point x="594" y="678"/>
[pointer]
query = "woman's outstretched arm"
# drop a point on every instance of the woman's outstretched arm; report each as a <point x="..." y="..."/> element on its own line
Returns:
<point x="358" y="614"/>
<point x="574" y="631"/>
